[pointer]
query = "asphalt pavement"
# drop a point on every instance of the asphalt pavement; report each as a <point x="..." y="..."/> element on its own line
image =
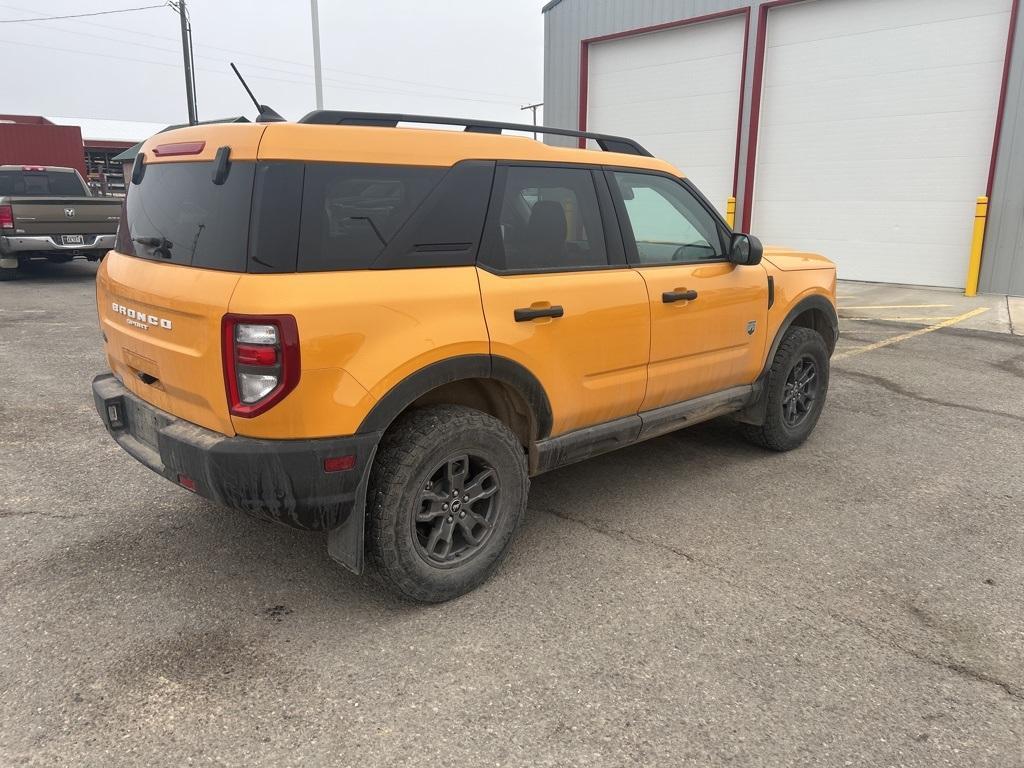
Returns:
<point x="688" y="601"/>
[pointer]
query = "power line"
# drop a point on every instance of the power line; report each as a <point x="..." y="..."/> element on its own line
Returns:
<point x="82" y="15"/>
<point x="306" y="80"/>
<point x="506" y="98"/>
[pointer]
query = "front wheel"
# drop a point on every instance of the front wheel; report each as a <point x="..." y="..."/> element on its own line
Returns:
<point x="797" y="384"/>
<point x="447" y="492"/>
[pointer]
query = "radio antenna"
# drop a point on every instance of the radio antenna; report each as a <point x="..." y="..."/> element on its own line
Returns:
<point x="266" y="114"/>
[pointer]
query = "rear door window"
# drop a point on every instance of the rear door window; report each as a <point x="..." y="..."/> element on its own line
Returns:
<point x="350" y="212"/>
<point x="549" y="220"/>
<point x="178" y="215"/>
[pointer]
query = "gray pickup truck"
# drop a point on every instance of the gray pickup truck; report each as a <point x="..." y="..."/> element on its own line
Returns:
<point x="48" y="213"/>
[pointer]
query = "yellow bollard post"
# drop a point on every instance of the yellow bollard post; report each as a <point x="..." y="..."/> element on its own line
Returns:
<point x="974" y="265"/>
<point x="730" y="212"/>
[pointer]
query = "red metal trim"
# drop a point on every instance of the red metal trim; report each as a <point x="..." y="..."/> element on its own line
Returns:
<point x="585" y="63"/>
<point x="1001" y="111"/>
<point x="743" y="93"/>
<point x="108" y="144"/>
<point x="584" y="88"/>
<point x="755" y="108"/>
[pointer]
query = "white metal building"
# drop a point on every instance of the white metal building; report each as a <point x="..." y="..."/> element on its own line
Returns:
<point x="862" y="129"/>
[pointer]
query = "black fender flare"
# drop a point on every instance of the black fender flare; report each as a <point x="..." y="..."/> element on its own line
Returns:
<point x="755" y="412"/>
<point x="815" y="301"/>
<point x="460" y="368"/>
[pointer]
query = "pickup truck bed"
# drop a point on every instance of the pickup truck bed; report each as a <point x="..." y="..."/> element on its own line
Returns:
<point x="48" y="214"/>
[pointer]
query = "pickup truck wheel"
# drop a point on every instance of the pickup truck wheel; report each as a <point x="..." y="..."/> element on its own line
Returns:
<point x="8" y="273"/>
<point x="447" y="492"/>
<point x="796" y="387"/>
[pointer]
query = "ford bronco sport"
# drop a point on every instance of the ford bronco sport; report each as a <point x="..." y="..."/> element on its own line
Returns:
<point x="379" y="331"/>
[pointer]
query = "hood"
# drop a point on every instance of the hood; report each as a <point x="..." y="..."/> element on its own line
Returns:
<point x="790" y="261"/>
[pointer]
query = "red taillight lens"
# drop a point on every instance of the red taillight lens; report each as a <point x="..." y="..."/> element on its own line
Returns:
<point x="6" y="217"/>
<point x="261" y="361"/>
<point x="247" y="354"/>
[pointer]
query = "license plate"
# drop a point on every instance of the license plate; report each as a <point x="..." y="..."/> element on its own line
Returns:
<point x="143" y="425"/>
<point x="73" y="239"/>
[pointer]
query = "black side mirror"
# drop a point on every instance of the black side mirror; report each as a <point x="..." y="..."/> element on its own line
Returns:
<point x="745" y="250"/>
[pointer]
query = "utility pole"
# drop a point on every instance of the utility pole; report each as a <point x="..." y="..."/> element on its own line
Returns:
<point x="317" y="74"/>
<point x="533" y="107"/>
<point x="185" y="53"/>
<point x="192" y="58"/>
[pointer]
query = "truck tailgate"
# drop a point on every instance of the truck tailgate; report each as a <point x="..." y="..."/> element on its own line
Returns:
<point x="63" y="215"/>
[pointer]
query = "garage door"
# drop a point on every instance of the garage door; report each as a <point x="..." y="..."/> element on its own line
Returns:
<point x="876" y="132"/>
<point x="677" y="92"/>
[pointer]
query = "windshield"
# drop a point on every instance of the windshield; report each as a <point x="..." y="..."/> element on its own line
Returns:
<point x="177" y="214"/>
<point x="40" y="184"/>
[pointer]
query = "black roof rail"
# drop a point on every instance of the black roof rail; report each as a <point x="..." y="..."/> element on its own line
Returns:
<point x="390" y="120"/>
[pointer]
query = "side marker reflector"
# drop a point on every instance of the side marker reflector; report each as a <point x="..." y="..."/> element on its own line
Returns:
<point x="339" y="463"/>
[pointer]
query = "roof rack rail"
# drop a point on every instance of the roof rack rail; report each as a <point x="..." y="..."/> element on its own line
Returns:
<point x="391" y="120"/>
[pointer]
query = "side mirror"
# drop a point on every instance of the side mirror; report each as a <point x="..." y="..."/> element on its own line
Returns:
<point x="746" y="250"/>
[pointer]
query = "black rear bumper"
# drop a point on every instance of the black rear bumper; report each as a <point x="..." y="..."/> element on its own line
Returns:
<point x="279" y="480"/>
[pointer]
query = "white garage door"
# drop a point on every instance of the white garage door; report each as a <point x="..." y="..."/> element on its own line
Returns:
<point x="677" y="92"/>
<point x="876" y="132"/>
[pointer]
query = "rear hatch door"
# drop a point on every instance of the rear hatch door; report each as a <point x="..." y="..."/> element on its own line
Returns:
<point x="181" y="249"/>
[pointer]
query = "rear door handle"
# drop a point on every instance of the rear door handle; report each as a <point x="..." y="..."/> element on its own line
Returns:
<point x="525" y="314"/>
<point x="668" y="297"/>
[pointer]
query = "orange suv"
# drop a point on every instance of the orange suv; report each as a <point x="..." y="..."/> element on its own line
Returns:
<point x="350" y="325"/>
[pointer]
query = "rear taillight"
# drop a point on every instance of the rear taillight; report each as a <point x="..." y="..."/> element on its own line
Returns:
<point x="261" y="361"/>
<point x="6" y="217"/>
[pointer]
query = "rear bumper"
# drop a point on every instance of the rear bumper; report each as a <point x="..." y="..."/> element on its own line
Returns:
<point x="279" y="480"/>
<point x="14" y="244"/>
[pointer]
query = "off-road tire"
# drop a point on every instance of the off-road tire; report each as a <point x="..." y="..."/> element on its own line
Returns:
<point x="775" y="434"/>
<point x="6" y="273"/>
<point x="420" y="441"/>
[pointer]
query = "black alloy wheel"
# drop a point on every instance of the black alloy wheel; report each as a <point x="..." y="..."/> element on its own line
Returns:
<point x="457" y="512"/>
<point x="800" y="391"/>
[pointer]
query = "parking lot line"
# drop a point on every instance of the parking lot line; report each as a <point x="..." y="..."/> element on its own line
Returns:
<point x="900" y="318"/>
<point x="901" y="306"/>
<point x="909" y="335"/>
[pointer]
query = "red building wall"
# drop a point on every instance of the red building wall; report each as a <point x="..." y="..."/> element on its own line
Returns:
<point x="40" y="143"/>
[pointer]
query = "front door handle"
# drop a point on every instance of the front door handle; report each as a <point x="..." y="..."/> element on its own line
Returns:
<point x="668" y="297"/>
<point x="525" y="314"/>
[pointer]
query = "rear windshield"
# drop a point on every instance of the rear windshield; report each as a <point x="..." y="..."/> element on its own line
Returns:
<point x="40" y="184"/>
<point x="177" y="214"/>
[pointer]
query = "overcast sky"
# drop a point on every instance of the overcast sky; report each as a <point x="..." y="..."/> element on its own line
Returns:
<point x="473" y="58"/>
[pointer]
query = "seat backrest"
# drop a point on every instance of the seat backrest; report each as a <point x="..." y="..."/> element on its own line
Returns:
<point x="546" y="232"/>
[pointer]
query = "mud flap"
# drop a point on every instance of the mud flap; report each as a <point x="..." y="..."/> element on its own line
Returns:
<point x="345" y="543"/>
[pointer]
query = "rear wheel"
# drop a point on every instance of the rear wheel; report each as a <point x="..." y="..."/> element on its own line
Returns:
<point x="447" y="492"/>
<point x="797" y="384"/>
